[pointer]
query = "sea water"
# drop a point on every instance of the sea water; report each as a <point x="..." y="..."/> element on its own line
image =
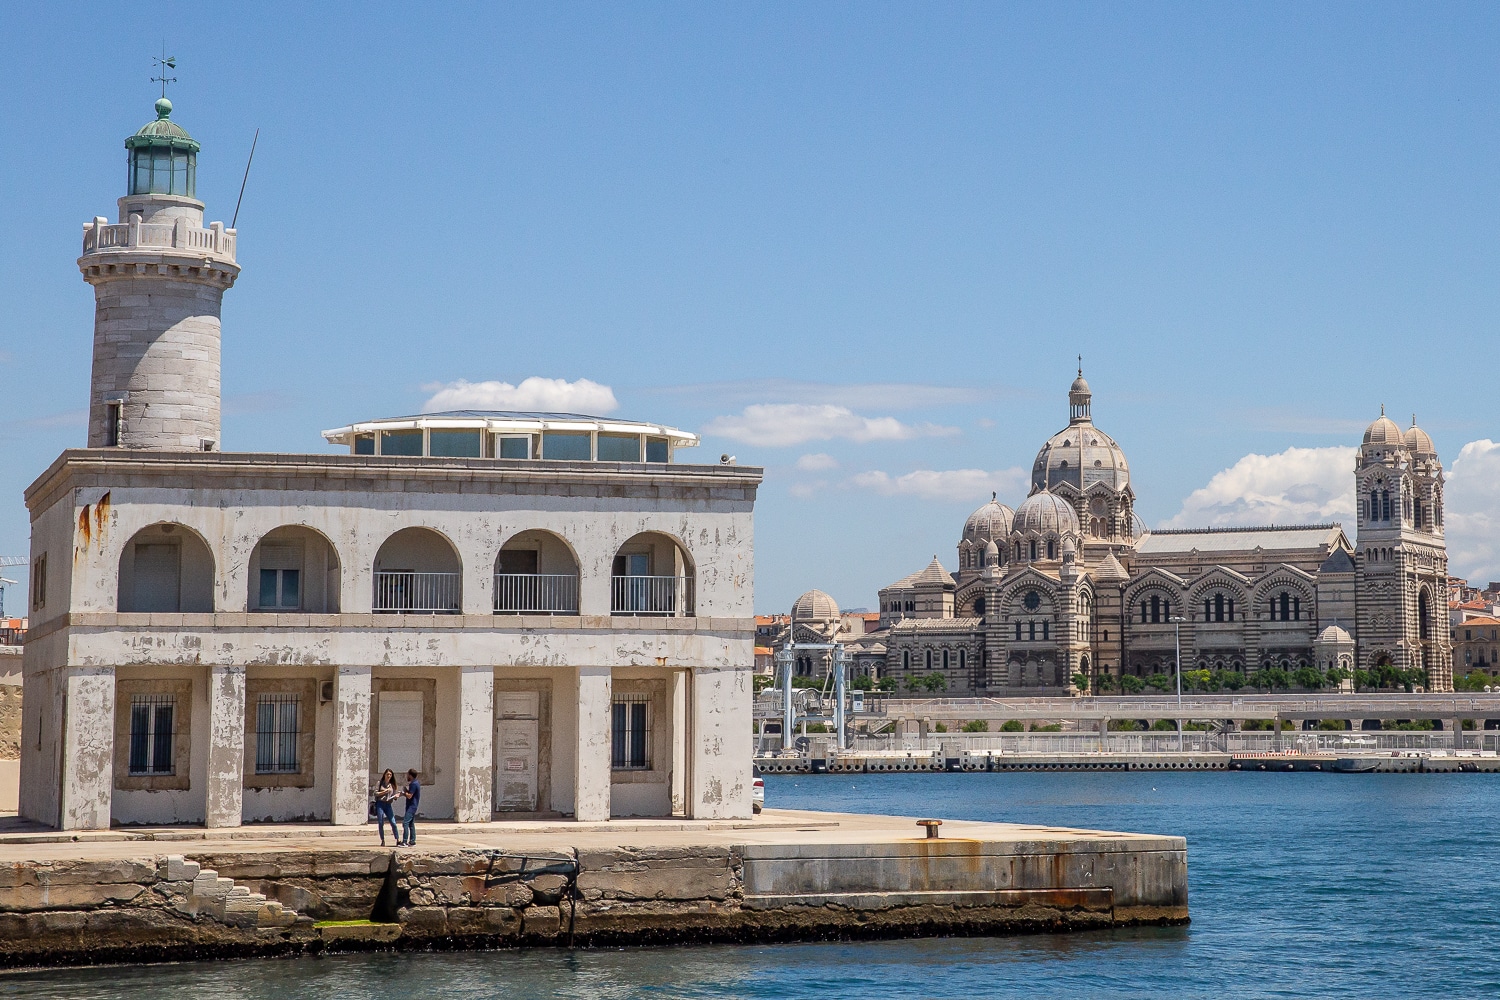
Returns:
<point x="1299" y="885"/>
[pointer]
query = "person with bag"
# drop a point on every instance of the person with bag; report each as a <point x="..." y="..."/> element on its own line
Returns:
<point x="385" y="809"/>
<point x="413" y="793"/>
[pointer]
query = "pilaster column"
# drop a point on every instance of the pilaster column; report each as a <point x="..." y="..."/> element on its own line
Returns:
<point x="88" y="748"/>
<point x="474" y="773"/>
<point x="721" y="713"/>
<point x="591" y="765"/>
<point x="351" y="747"/>
<point x="224" y="796"/>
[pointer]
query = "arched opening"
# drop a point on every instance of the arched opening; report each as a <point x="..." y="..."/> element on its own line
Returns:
<point x="536" y="574"/>
<point x="652" y="576"/>
<point x="166" y="569"/>
<point x="1424" y="615"/>
<point x="294" y="568"/>
<point x="417" y="571"/>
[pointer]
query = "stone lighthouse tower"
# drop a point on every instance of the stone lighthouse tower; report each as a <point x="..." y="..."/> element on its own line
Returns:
<point x="159" y="278"/>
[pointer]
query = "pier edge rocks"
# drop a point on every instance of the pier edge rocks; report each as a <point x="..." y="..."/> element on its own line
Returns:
<point x="314" y="900"/>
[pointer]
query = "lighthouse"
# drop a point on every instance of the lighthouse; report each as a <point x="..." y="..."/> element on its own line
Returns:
<point x="159" y="279"/>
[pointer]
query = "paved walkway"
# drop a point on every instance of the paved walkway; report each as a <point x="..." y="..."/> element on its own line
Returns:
<point x="20" y="841"/>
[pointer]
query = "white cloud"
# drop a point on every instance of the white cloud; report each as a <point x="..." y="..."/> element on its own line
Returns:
<point x="817" y="462"/>
<point x="947" y="484"/>
<point x="1471" y="512"/>
<point x="534" y="393"/>
<point x="776" y="425"/>
<point x="1298" y="485"/>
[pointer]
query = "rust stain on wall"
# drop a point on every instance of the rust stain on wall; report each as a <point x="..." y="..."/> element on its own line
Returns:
<point x="92" y="520"/>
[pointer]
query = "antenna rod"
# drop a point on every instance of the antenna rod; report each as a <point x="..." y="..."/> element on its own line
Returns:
<point x="245" y="181"/>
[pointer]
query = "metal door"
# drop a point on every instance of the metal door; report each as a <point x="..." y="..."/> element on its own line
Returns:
<point x="516" y="737"/>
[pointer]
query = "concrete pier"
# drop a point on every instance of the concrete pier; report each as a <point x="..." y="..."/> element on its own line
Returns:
<point x="175" y="893"/>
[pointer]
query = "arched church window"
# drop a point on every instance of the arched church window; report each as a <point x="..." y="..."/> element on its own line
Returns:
<point x="1031" y="631"/>
<point x="1143" y="612"/>
<point x="906" y="659"/>
<point x="928" y="659"/>
<point x="1033" y="549"/>
<point x="1051" y="549"/>
<point x="961" y="664"/>
<point x="1296" y="609"/>
<point x="1424" y="616"/>
<point x="1018" y="631"/>
<point x="1018" y="551"/>
<point x="945" y="659"/>
<point x="1046" y="631"/>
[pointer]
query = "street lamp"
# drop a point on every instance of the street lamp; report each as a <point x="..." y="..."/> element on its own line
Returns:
<point x="1177" y="621"/>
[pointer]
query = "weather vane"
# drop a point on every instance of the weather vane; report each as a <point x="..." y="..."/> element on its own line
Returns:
<point x="163" y="63"/>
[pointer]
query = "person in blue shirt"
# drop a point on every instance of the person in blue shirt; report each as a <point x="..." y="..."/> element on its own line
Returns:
<point x="413" y="793"/>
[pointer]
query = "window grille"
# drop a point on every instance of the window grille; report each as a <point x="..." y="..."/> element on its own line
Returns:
<point x="153" y="724"/>
<point x="277" y="718"/>
<point x="630" y="736"/>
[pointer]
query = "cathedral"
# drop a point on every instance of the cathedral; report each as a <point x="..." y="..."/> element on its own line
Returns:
<point x="1070" y="586"/>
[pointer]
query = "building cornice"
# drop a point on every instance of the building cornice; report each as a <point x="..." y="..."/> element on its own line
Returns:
<point x="117" y="468"/>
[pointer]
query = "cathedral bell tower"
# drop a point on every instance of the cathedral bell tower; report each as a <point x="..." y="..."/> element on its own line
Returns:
<point x="1401" y="559"/>
<point x="159" y="278"/>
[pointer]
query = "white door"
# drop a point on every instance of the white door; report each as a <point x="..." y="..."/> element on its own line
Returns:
<point x="516" y="737"/>
<point x="400" y="741"/>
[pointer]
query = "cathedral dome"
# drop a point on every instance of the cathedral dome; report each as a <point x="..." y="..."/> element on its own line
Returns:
<point x="1384" y="432"/>
<point x="1080" y="454"/>
<point x="1045" y="514"/>
<point x="991" y="521"/>
<point x="815" y="606"/>
<point x="1418" y="442"/>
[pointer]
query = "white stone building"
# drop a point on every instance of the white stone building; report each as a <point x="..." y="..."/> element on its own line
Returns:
<point x="544" y="614"/>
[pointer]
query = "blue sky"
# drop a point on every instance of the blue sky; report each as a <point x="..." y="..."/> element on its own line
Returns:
<point x="859" y="244"/>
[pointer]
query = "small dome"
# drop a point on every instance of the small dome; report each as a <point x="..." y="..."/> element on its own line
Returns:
<point x="991" y="553"/>
<point x="1045" y="513"/>
<point x="1418" y="442"/>
<point x="815" y="606"/>
<point x="991" y="521"/>
<point x="1334" y="634"/>
<point x="162" y="131"/>
<point x="1384" y="432"/>
<point x="1080" y="385"/>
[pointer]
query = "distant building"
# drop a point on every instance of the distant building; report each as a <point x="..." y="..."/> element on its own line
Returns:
<point x="1070" y="584"/>
<point x="1476" y="644"/>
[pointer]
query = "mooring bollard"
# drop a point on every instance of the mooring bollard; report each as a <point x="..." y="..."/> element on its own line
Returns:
<point x="932" y="827"/>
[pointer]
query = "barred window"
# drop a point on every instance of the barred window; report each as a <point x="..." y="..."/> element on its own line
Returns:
<point x="630" y="737"/>
<point x="277" y="719"/>
<point x="153" y="723"/>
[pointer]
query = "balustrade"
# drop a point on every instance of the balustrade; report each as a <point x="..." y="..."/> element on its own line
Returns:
<point x="398" y="592"/>
<point x="100" y="237"/>
<point x="536" y="593"/>
<point x="666" y="596"/>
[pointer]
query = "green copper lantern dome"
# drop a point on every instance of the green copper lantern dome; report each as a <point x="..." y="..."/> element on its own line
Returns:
<point x="163" y="157"/>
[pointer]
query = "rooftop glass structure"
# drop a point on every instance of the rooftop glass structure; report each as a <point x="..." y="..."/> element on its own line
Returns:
<point x="514" y="434"/>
